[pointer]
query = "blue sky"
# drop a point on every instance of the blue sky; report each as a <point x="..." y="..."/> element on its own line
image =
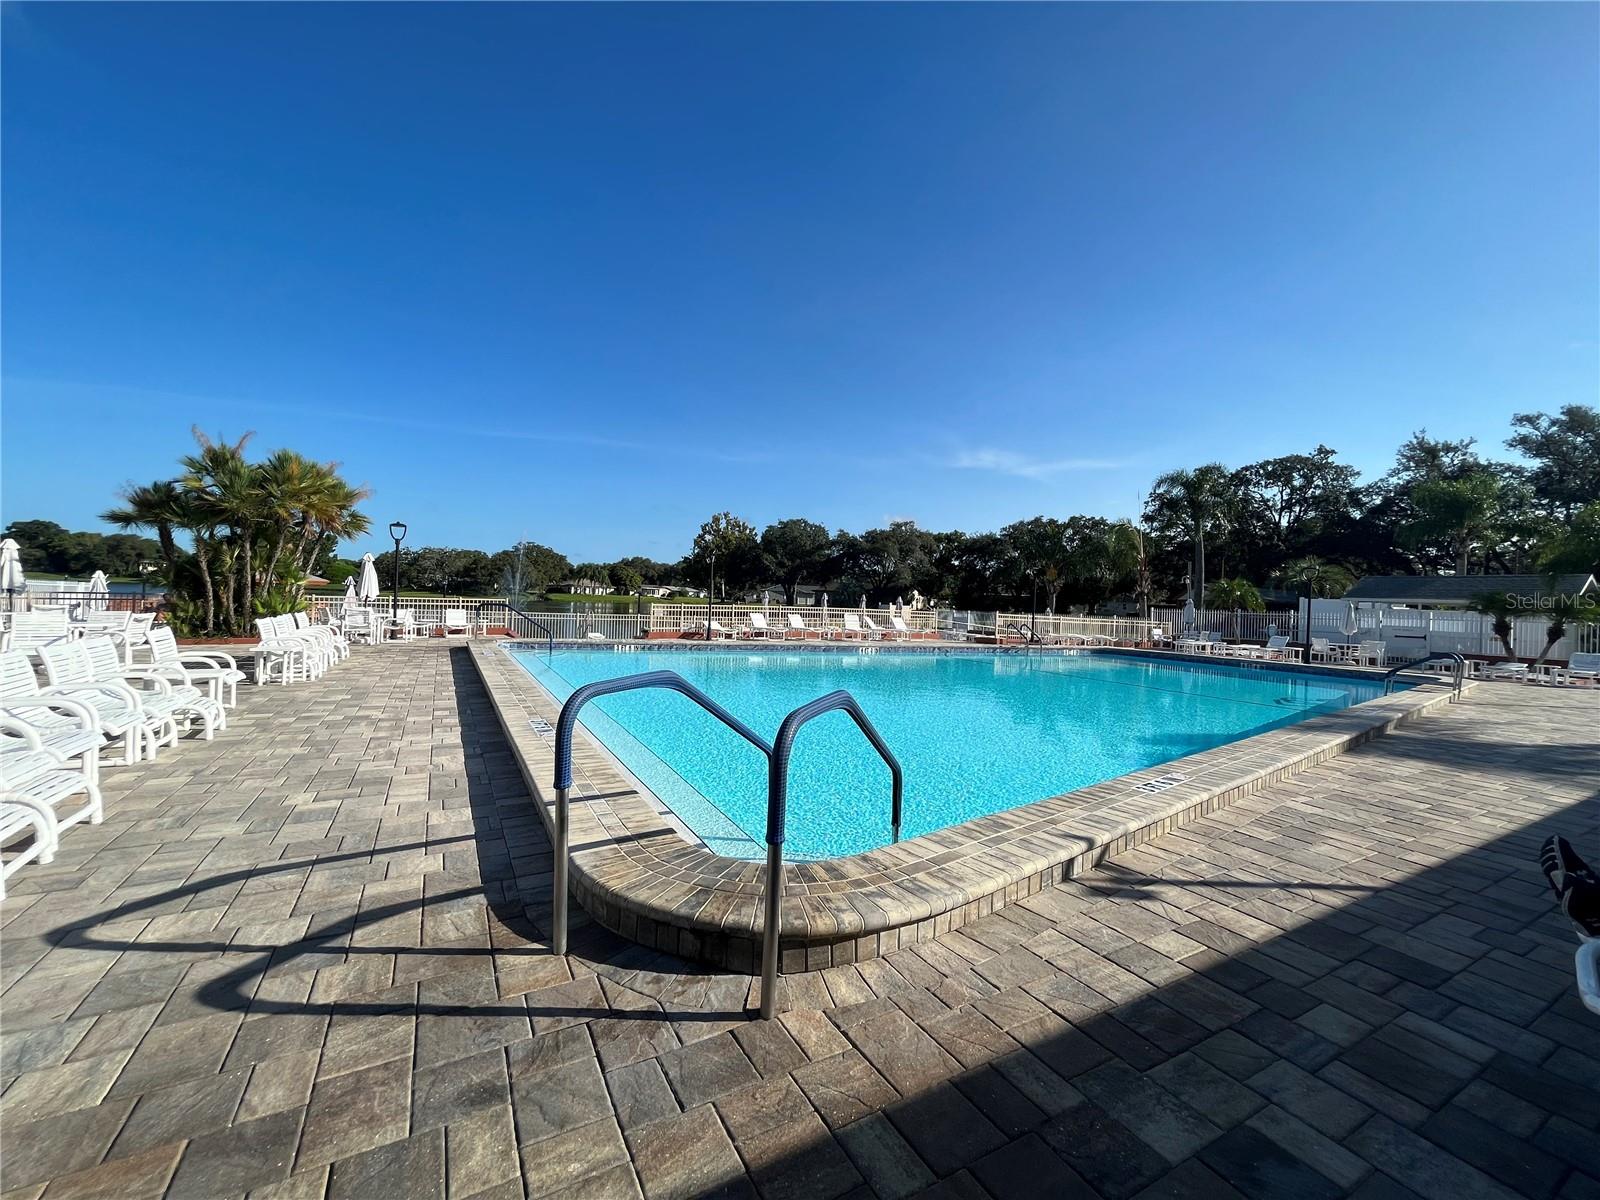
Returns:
<point x="590" y="273"/>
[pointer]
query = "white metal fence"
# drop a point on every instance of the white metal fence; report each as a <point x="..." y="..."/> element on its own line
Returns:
<point x="1237" y="626"/>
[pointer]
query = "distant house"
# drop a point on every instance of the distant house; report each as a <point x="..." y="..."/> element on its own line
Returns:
<point x="1458" y="591"/>
<point x="581" y="587"/>
<point x="652" y="589"/>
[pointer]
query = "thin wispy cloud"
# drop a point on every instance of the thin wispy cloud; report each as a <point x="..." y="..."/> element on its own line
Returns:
<point x="1010" y="462"/>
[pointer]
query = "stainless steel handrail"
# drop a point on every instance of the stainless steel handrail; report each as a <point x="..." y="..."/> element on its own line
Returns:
<point x="1460" y="672"/>
<point x="565" y="724"/>
<point x="777" y="755"/>
<point x="777" y="816"/>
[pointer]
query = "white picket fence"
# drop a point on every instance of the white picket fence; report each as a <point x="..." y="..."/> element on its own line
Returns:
<point x="1406" y="633"/>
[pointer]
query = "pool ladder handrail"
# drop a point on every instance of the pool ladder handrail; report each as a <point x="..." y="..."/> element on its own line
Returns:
<point x="1029" y="634"/>
<point x="514" y="612"/>
<point x="777" y="755"/>
<point x="1459" y="674"/>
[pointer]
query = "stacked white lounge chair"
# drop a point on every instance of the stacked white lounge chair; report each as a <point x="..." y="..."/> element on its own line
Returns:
<point x="94" y="696"/>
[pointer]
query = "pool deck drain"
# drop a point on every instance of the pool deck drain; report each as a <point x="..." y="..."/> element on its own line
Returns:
<point x="634" y="873"/>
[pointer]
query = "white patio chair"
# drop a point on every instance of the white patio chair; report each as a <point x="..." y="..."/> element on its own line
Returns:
<point x="797" y="626"/>
<point x="902" y="631"/>
<point x="1370" y="654"/>
<point x="144" y="720"/>
<point x="158" y="690"/>
<point x="456" y="623"/>
<point x="359" y="625"/>
<point x="1321" y="651"/>
<point x="874" y="630"/>
<point x="714" y="630"/>
<point x="215" y="668"/>
<point x="403" y="625"/>
<point x="1582" y="667"/>
<point x="853" y="627"/>
<point x="19" y="814"/>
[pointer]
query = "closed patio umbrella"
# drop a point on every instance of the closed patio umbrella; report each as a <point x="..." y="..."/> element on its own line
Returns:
<point x="350" y="599"/>
<point x="99" y="586"/>
<point x="12" y="580"/>
<point x="368" y="591"/>
<point x="1189" y="617"/>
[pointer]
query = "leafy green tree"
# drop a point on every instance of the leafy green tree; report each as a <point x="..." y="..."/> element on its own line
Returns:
<point x="1042" y="548"/>
<point x="1315" y="577"/>
<point x="732" y="542"/>
<point x="1576" y="548"/>
<point x="624" y="578"/>
<point x="796" y="551"/>
<point x="1565" y="450"/>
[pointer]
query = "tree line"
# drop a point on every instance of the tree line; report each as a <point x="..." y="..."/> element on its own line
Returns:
<point x="1295" y="524"/>
<point x="1290" y="525"/>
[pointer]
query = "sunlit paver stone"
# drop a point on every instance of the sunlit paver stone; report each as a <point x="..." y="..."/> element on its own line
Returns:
<point x="307" y="960"/>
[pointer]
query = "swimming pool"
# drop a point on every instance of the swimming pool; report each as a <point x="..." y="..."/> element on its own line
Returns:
<point x="976" y="732"/>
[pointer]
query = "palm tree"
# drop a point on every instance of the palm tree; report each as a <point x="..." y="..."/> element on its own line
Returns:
<point x="1236" y="595"/>
<point x="159" y="507"/>
<point x="1203" y="497"/>
<point x="1568" y="609"/>
<point x="1497" y="605"/>
<point x="1457" y="512"/>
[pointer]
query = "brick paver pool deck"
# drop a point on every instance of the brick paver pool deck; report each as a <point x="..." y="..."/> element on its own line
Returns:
<point x="306" y="960"/>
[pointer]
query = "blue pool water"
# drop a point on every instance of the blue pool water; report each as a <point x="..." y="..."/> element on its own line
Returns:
<point x="975" y="732"/>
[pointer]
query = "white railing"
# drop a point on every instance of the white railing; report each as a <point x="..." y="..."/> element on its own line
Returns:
<point x="1118" y="629"/>
<point x="426" y="610"/>
<point x="691" y="618"/>
<point x="1239" y="626"/>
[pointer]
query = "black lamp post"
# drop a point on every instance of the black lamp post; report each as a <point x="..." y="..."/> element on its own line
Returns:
<point x="397" y="530"/>
<point x="711" y="594"/>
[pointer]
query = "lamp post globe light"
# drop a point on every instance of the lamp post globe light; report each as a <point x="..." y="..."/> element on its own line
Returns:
<point x="397" y="530"/>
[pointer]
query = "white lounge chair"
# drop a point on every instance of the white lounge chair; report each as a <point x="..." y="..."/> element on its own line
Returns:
<point x="32" y="631"/>
<point x="320" y="654"/>
<point x="19" y="814"/>
<point x="797" y="625"/>
<point x="327" y="631"/>
<point x="874" y="630"/>
<point x="1505" y="669"/>
<point x="68" y="726"/>
<point x="714" y="630"/>
<point x="759" y="627"/>
<point x="276" y="658"/>
<point x="120" y="710"/>
<point x="1278" y="647"/>
<point x="50" y="778"/>
<point x="214" y="668"/>
<point x="902" y="631"/>
<point x="177" y="697"/>
<point x="853" y="627"/>
<point x="455" y="623"/>
<point x="1582" y="667"/>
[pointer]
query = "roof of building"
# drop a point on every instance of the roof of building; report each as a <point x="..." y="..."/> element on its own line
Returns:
<point x="1459" y="589"/>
